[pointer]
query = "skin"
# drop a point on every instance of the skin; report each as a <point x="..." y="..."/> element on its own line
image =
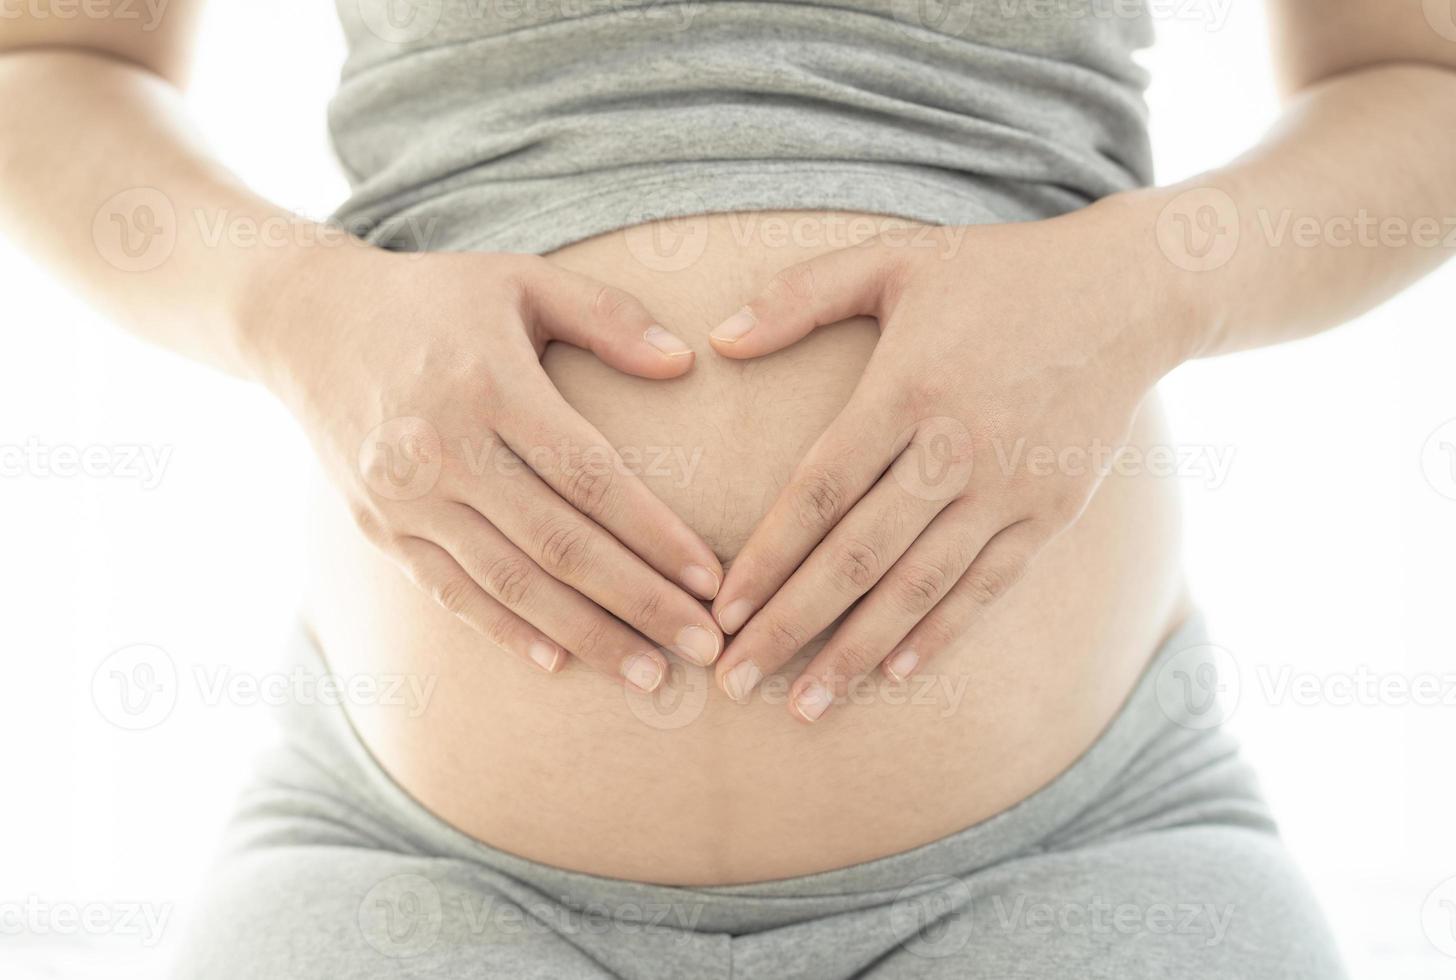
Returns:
<point x="521" y="539"/>
<point x="565" y="554"/>
<point x="549" y="561"/>
<point x="689" y="786"/>
<point x="1373" y="93"/>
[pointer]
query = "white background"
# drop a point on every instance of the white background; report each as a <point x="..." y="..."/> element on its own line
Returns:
<point x="1326" y="551"/>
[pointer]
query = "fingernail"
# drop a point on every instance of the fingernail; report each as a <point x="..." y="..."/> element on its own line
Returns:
<point x="699" y="645"/>
<point x="741" y="680"/>
<point x="545" y="655"/>
<point x="701" y="580"/>
<point x="669" y="344"/>
<point x="734" y="615"/>
<point x="901" y="664"/>
<point x="811" y="701"/>
<point x="734" y="328"/>
<point x="643" y="673"/>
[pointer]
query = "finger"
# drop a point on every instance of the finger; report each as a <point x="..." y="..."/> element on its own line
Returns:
<point x="577" y="462"/>
<point x="563" y="614"/>
<point x="993" y="573"/>
<point x="916" y="584"/>
<point x="609" y="322"/>
<point x="844" y="462"/>
<point x="823" y="290"/>
<point x="431" y="568"/>
<point x="846" y="565"/>
<point x="576" y="551"/>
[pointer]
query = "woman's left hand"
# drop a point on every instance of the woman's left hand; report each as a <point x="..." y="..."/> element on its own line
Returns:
<point x="1011" y="362"/>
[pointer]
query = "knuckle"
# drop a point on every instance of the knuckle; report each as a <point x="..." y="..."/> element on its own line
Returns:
<point x="644" y="610"/>
<point x="793" y="285"/>
<point x="920" y="587"/>
<point x="396" y="456"/>
<point x="515" y="273"/>
<point x="985" y="585"/>
<point x="594" y="642"/>
<point x="509" y="580"/>
<point x="895" y="270"/>
<point x="857" y="566"/>
<point x="470" y="371"/>
<point x="820" y="496"/>
<point x="609" y="303"/>
<point x="564" y="548"/>
<point x="453" y="594"/>
<point x="925" y="395"/>
<point x="936" y="633"/>
<point x="785" y="636"/>
<point x="954" y="438"/>
<point x="855" y="659"/>
<point x="588" y="484"/>
<point x="501" y="630"/>
<point x="367" y="520"/>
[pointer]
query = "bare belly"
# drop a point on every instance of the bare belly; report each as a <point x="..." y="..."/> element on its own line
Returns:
<point x="690" y="787"/>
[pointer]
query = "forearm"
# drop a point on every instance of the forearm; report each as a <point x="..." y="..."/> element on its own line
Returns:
<point x="1350" y="198"/>
<point x="103" y="181"/>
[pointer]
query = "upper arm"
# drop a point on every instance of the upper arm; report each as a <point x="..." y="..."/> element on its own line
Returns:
<point x="1315" y="39"/>
<point x="155" y="34"/>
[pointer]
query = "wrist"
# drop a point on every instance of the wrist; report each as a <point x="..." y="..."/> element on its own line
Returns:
<point x="281" y="308"/>
<point x="1178" y="310"/>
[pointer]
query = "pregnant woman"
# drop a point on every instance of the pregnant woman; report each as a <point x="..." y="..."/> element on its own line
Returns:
<point x="740" y="416"/>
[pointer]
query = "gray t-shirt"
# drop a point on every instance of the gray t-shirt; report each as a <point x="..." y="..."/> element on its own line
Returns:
<point x="525" y="125"/>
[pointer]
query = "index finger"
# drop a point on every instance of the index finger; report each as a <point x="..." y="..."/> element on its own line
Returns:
<point x="844" y="462"/>
<point x="576" y="460"/>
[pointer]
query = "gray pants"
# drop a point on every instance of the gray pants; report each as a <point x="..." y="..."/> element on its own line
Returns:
<point x="1152" y="856"/>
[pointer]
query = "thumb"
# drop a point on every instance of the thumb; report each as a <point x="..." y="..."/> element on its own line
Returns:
<point x="607" y="321"/>
<point x="823" y="290"/>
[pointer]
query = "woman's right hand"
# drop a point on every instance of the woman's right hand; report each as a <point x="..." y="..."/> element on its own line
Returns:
<point x="418" y="378"/>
